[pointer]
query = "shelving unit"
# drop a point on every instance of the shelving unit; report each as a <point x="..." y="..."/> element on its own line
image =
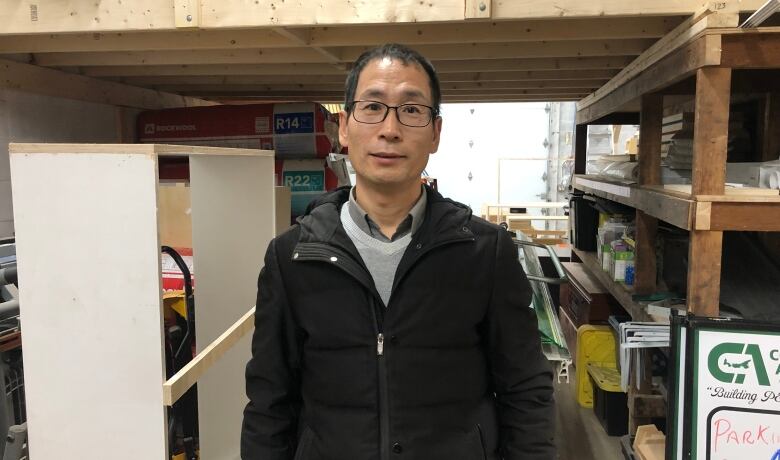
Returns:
<point x="711" y="64"/>
<point x="710" y="58"/>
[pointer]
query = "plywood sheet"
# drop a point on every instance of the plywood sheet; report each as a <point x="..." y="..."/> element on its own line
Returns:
<point x="233" y="220"/>
<point x="91" y="307"/>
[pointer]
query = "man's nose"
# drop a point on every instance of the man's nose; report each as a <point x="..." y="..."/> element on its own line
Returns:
<point x="391" y="127"/>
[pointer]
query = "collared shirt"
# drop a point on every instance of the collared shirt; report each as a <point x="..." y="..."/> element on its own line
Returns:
<point x="410" y="224"/>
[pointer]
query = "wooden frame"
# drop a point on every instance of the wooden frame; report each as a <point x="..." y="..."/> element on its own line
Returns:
<point x="709" y="208"/>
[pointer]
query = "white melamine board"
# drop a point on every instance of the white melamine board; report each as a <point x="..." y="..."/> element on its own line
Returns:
<point x="89" y="265"/>
<point x="232" y="223"/>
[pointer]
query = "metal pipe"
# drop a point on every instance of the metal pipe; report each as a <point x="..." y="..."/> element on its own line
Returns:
<point x="8" y="275"/>
<point x="9" y="308"/>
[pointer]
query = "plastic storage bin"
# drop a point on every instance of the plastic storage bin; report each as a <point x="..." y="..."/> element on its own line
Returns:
<point x="609" y="401"/>
<point x="595" y="344"/>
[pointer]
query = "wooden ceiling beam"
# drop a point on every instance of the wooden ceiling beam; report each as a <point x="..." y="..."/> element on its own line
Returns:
<point x="189" y="57"/>
<point x="484" y="66"/>
<point x="492" y="32"/>
<point x="551" y="78"/>
<point x="324" y="37"/>
<point x="448" y="99"/>
<point x="302" y="38"/>
<point x="250" y="84"/>
<point x="89" y="16"/>
<point x="39" y="80"/>
<point x="339" y="95"/>
<point x="525" y="50"/>
<point x="212" y="69"/>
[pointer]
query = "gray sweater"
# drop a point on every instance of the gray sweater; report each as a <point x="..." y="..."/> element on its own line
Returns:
<point x="380" y="254"/>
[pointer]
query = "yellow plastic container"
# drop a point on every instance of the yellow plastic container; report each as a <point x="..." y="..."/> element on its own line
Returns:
<point x="595" y="344"/>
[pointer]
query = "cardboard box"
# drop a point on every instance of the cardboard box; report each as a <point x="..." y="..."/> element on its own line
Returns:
<point x="293" y="131"/>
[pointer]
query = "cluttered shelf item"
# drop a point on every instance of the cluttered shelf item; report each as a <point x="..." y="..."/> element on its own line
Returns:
<point x="621" y="292"/>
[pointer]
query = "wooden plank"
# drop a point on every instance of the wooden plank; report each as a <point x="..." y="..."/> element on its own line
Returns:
<point x="138" y="149"/>
<point x="673" y="68"/>
<point x="316" y="70"/>
<point x="477" y="9"/>
<point x="755" y="216"/>
<point x="493" y="32"/>
<point x="301" y="37"/>
<point x="283" y="211"/>
<point x="186" y="14"/>
<point x="748" y="192"/>
<point x="183" y="57"/>
<point x="710" y="132"/>
<point x="143" y="41"/>
<point x="336" y="82"/>
<point x="175" y="224"/>
<point x="754" y="50"/>
<point x="770" y="121"/>
<point x="39" y="80"/>
<point x="108" y="313"/>
<point x="675" y="209"/>
<point x="87" y="16"/>
<point x="711" y="15"/>
<point x="175" y="387"/>
<point x="650" y="139"/>
<point x="258" y="92"/>
<point x="665" y="207"/>
<point x="533" y="87"/>
<point x="703" y="215"/>
<point x="574" y="8"/>
<point x="339" y="99"/>
<point x="238" y="13"/>
<point x="483" y="66"/>
<point x="704" y="264"/>
<point x="156" y="75"/>
<point x="233" y="220"/>
<point x="541" y="49"/>
<point x="645" y="263"/>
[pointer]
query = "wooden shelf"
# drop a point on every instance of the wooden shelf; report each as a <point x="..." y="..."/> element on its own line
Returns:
<point x="668" y="207"/>
<point x="621" y="292"/>
<point x="702" y="212"/>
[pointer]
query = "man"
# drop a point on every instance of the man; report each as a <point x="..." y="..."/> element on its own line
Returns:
<point x="391" y="323"/>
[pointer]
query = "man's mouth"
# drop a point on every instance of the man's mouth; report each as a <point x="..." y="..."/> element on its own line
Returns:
<point x="386" y="155"/>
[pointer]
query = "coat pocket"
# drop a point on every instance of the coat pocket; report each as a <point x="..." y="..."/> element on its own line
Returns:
<point x="304" y="443"/>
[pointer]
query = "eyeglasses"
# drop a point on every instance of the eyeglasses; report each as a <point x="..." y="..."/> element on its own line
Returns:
<point x="373" y="112"/>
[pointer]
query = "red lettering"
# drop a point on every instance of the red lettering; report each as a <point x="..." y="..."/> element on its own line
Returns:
<point x="733" y="435"/>
<point x="747" y="437"/>
<point x="761" y="431"/>
<point x="726" y="427"/>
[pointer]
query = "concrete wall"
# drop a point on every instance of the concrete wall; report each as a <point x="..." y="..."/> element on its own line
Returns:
<point x="26" y="117"/>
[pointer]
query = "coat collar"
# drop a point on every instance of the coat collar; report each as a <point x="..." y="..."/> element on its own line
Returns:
<point x="445" y="220"/>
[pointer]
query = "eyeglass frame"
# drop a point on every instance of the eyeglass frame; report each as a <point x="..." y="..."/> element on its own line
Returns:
<point x="434" y="112"/>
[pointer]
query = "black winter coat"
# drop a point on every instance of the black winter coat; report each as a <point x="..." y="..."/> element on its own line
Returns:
<point x="452" y="369"/>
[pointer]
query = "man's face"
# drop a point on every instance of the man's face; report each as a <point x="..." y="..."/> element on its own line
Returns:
<point x="389" y="154"/>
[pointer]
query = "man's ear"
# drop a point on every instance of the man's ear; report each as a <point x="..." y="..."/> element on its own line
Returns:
<point x="343" y="128"/>
<point x="436" y="134"/>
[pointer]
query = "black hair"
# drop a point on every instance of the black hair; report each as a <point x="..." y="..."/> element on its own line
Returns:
<point x="393" y="51"/>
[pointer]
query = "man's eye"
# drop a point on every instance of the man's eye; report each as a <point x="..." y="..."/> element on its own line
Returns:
<point x="373" y="107"/>
<point x="413" y="109"/>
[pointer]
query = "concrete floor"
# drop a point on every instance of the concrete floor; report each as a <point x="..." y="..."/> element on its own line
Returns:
<point x="579" y="434"/>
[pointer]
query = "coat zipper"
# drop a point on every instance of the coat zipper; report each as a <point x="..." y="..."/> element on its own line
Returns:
<point x="384" y="413"/>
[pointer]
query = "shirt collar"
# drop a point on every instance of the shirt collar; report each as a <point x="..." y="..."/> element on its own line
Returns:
<point x="411" y="223"/>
